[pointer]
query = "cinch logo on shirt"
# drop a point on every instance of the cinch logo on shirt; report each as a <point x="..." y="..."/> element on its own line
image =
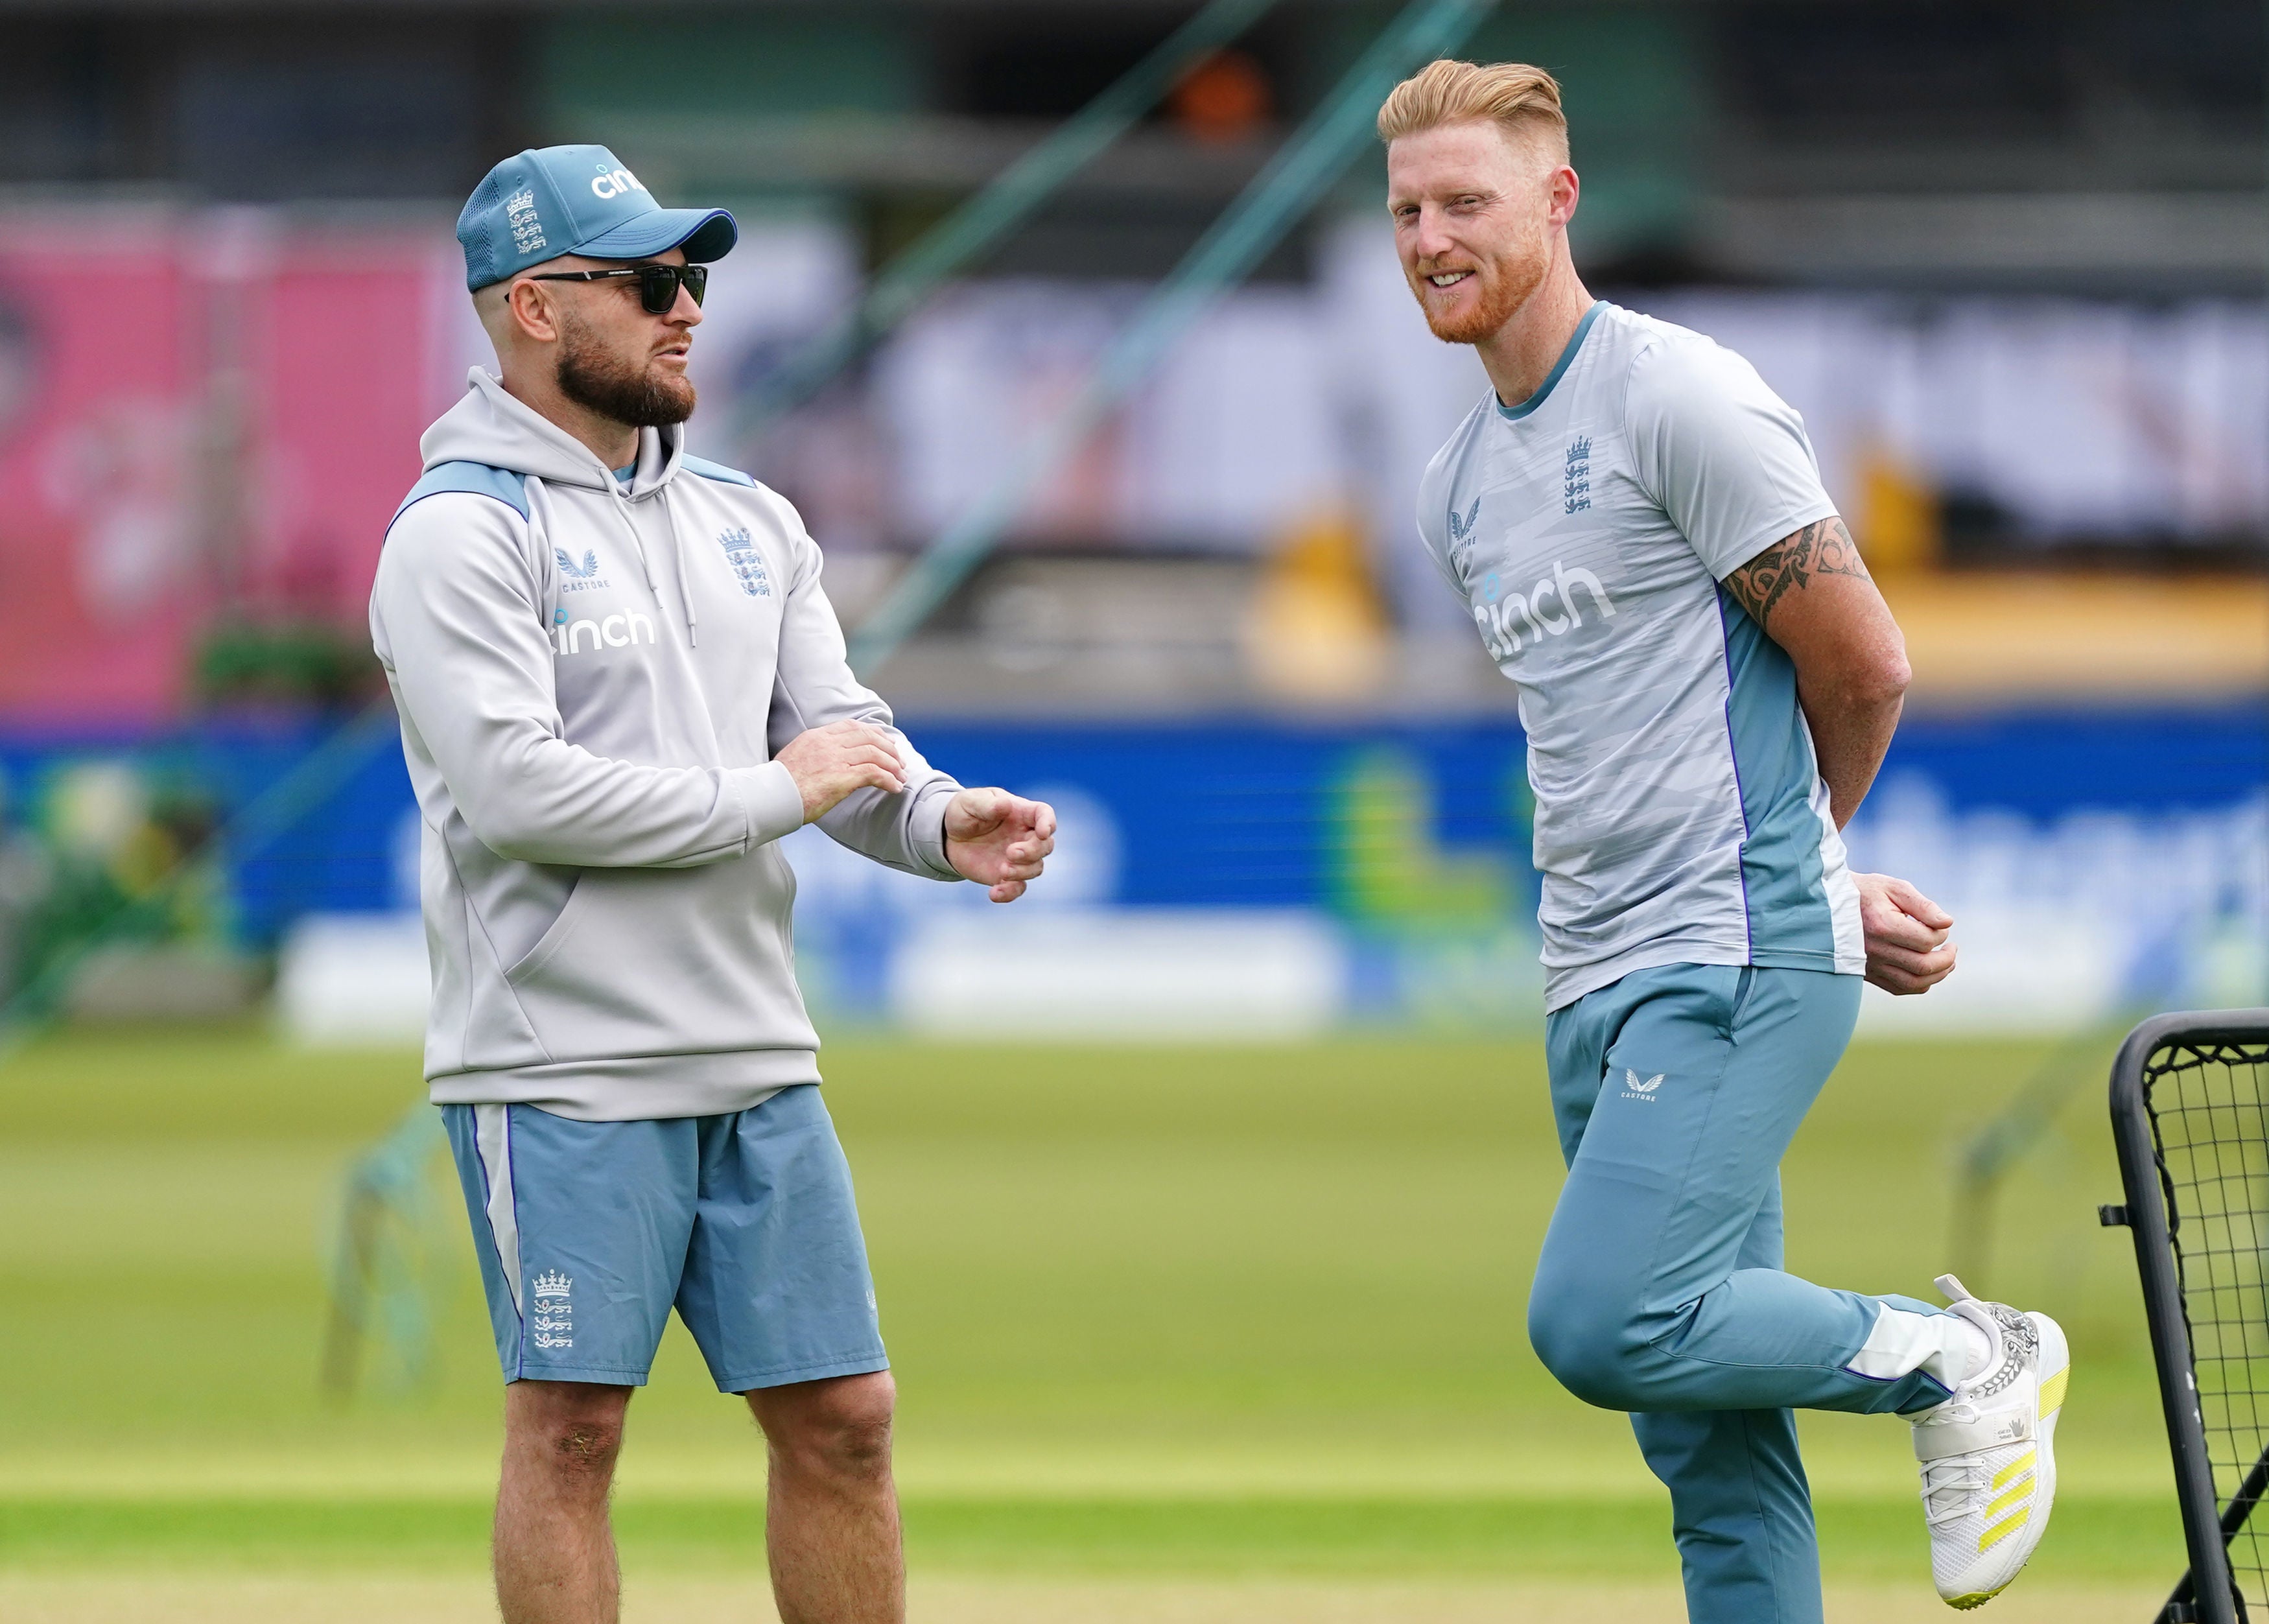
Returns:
<point x="1502" y="616"/>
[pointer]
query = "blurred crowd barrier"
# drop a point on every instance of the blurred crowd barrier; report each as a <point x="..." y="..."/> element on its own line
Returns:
<point x="1255" y="879"/>
<point x="2015" y="423"/>
<point x="206" y="418"/>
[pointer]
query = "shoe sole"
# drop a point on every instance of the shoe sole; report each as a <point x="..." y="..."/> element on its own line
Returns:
<point x="2054" y="1349"/>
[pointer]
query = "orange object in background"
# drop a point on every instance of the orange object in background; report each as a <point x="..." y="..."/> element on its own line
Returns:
<point x="1227" y="97"/>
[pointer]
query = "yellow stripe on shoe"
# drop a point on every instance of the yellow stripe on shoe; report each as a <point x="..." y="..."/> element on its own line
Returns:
<point x="2001" y="1531"/>
<point x="2024" y="1490"/>
<point x="2052" y="1392"/>
<point x="2024" y="1463"/>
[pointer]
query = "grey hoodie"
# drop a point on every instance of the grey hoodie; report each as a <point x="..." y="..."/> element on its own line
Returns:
<point x="592" y="683"/>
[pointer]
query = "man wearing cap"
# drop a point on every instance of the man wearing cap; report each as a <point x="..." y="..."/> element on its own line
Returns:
<point x="620" y="684"/>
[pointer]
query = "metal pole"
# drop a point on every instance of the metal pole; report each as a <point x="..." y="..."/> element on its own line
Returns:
<point x="1008" y="200"/>
<point x="1315" y="157"/>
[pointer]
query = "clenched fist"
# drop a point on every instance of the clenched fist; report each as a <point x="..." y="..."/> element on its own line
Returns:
<point x="998" y="839"/>
<point x="1907" y="946"/>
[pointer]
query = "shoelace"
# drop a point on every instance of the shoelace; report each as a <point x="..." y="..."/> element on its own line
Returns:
<point x="1957" y="1479"/>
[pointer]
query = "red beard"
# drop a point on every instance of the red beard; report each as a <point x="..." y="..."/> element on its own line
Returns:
<point x="1505" y="285"/>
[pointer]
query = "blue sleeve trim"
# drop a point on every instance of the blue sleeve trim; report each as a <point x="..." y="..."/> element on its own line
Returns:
<point x="716" y="470"/>
<point x="471" y="479"/>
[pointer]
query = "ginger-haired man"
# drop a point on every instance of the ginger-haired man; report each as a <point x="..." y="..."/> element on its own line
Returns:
<point x="1708" y="680"/>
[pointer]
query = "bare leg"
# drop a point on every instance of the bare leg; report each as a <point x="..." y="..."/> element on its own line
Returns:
<point x="554" y="1553"/>
<point x="831" y="1514"/>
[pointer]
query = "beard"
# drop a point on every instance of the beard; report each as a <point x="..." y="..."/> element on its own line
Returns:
<point x="1506" y="284"/>
<point x="597" y="380"/>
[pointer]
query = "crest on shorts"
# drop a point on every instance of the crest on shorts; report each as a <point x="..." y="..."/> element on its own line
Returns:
<point x="551" y="1317"/>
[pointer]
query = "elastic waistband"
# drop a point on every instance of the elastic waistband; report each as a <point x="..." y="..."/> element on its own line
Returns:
<point x="643" y="1087"/>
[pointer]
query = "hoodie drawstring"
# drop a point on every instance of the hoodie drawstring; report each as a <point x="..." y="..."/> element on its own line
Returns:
<point x="637" y="542"/>
<point x="677" y="553"/>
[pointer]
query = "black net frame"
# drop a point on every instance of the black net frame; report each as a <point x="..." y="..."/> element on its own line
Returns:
<point x="2190" y="1114"/>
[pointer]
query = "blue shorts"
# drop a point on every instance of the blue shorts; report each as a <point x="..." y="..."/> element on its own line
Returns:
<point x="588" y="1233"/>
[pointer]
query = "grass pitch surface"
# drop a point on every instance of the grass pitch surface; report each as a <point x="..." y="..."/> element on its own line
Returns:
<point x="1234" y="1315"/>
<point x="209" y="1598"/>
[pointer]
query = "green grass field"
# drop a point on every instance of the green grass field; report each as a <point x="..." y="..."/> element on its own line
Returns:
<point x="1212" y="1316"/>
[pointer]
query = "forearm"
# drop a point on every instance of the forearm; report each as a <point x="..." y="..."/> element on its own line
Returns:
<point x="1812" y="594"/>
<point x="814" y="687"/>
<point x="559" y="804"/>
<point x="1851" y="733"/>
<point x="532" y="797"/>
<point x="905" y="830"/>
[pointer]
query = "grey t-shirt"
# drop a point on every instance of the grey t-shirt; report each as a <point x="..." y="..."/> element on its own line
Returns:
<point x="1680" y="814"/>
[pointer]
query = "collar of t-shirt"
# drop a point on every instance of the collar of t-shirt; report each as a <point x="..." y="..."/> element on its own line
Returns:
<point x="627" y="473"/>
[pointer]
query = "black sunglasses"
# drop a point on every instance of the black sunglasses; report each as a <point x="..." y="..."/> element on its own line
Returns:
<point x="658" y="284"/>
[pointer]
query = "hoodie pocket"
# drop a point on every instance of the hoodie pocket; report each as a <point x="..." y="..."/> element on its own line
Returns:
<point x="646" y="962"/>
<point x="555" y="935"/>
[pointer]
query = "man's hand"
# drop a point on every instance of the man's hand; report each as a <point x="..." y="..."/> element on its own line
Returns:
<point x="1907" y="948"/>
<point x="998" y="839"/>
<point x="829" y="762"/>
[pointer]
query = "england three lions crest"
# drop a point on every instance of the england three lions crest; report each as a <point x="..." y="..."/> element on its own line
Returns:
<point x="748" y="564"/>
<point x="551" y="1314"/>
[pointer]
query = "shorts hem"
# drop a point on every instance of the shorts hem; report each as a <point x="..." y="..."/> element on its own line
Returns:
<point x="578" y="1373"/>
<point x="781" y="1376"/>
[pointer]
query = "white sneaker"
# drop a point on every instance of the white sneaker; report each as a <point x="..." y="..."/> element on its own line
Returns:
<point x="1987" y="1455"/>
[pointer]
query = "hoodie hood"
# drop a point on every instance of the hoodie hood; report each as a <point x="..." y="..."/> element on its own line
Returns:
<point x="489" y="426"/>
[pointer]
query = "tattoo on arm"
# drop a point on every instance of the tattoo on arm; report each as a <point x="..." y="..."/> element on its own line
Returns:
<point x="1822" y="548"/>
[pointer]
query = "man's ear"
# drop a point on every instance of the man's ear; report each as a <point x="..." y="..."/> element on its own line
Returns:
<point x="1566" y="189"/>
<point x="530" y="312"/>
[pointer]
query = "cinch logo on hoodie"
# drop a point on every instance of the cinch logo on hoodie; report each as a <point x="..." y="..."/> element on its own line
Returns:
<point x="614" y="631"/>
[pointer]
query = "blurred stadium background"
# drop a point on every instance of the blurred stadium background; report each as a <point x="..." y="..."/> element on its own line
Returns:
<point x="1204" y="1262"/>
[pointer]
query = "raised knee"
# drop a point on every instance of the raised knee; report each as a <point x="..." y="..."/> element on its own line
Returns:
<point x="1589" y="1343"/>
<point x="840" y="1428"/>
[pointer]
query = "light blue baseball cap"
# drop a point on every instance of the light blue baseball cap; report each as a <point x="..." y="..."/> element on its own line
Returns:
<point x="539" y="204"/>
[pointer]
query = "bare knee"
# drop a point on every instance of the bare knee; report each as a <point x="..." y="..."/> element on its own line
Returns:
<point x="572" y="1431"/>
<point x="840" y="1428"/>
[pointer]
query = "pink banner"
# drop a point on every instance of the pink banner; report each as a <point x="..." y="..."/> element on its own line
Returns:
<point x="98" y="502"/>
<point x="199" y="414"/>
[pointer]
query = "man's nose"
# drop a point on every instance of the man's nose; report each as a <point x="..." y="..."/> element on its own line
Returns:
<point x="684" y="311"/>
<point x="1428" y="237"/>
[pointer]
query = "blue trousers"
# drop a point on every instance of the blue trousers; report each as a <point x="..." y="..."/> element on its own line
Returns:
<point x="1660" y="1290"/>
